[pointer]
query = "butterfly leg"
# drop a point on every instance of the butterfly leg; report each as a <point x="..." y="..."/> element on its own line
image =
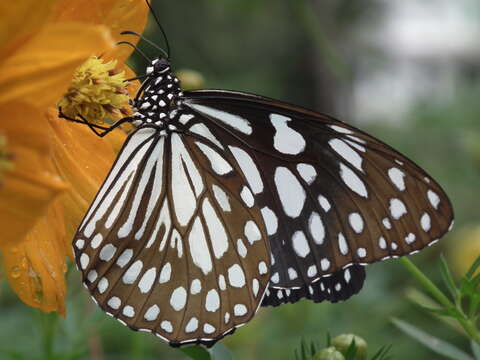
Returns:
<point x="94" y="127"/>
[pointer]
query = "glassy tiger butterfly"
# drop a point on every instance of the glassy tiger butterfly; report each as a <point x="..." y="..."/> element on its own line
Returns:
<point x="221" y="202"/>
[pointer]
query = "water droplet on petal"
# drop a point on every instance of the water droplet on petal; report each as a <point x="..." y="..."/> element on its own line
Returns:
<point x="15" y="272"/>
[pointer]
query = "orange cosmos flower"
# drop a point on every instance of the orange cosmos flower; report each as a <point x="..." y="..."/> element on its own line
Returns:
<point x="51" y="52"/>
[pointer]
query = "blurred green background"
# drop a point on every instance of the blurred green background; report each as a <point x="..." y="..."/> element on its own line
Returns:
<point x="405" y="72"/>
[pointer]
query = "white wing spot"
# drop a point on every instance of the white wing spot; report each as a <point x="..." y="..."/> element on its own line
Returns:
<point x="353" y="181"/>
<point x="165" y="274"/>
<point x="239" y="310"/>
<point x="152" y="313"/>
<point x="317" y="230"/>
<point x="433" y="198"/>
<point x="340" y="129"/>
<point x="204" y="131"/>
<point x="286" y="140"/>
<point x="382" y="243"/>
<point x="102" y="285"/>
<point x="125" y="257"/>
<point x="342" y="244"/>
<point x="167" y="326"/>
<point x="222" y="198"/>
<point x="324" y="203"/>
<point x="255" y="287"/>
<point x="356" y="222"/>
<point x="92" y="276"/>
<point x="192" y="325"/>
<point x="107" y="252"/>
<point x="249" y="169"/>
<point x="397" y="208"/>
<point x="252" y="232"/>
<point x="397" y="177"/>
<point x="346" y="152"/>
<point x="361" y="252"/>
<point x="217" y="162"/>
<point x="195" y="287"/>
<point x="270" y="219"/>
<point x="114" y="302"/>
<point x="262" y="268"/>
<point x="386" y="222"/>
<point x="128" y="311"/>
<point x="208" y="329"/>
<point x="178" y="298"/>
<point x="347" y="276"/>
<point x="247" y="197"/>
<point x="97" y="240"/>
<point x="307" y="172"/>
<point x="132" y="273"/>
<point x="198" y="247"/>
<point x="325" y="264"/>
<point x="80" y="244"/>
<point x="216" y="230"/>
<point x="292" y="274"/>
<point x="221" y="282"/>
<point x="426" y="222"/>
<point x="410" y="238"/>
<point x="236" y="277"/>
<point x="227" y="317"/>
<point x="292" y="194"/>
<point x="212" y="301"/>
<point x="275" y="278"/>
<point x="84" y="261"/>
<point x="237" y="122"/>
<point x="300" y="244"/>
<point x="312" y="271"/>
<point x="146" y="282"/>
<point x="242" y="250"/>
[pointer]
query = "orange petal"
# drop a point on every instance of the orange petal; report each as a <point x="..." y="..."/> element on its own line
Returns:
<point x="35" y="268"/>
<point x="40" y="71"/>
<point x="19" y="20"/>
<point x="118" y="15"/>
<point x="83" y="160"/>
<point x="32" y="184"/>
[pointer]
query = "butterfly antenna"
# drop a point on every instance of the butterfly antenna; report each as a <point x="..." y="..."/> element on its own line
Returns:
<point x="161" y="28"/>
<point x="128" y="32"/>
<point x="136" y="49"/>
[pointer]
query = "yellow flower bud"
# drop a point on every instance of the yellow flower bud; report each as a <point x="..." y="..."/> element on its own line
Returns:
<point x="329" y="354"/>
<point x="343" y="342"/>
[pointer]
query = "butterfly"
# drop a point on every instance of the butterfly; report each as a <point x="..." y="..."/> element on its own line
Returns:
<point x="221" y="202"/>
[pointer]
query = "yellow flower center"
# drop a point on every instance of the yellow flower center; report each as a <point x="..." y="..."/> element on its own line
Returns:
<point x="98" y="92"/>
<point x="6" y="158"/>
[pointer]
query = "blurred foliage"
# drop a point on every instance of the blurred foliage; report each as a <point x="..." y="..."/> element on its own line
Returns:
<point x="289" y="51"/>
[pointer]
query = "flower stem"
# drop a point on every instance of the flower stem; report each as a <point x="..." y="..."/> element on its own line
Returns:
<point x="467" y="324"/>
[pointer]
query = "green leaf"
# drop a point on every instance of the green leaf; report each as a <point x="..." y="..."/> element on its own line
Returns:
<point x="220" y="352"/>
<point x="382" y="353"/>
<point x="351" y="353"/>
<point x="196" y="353"/>
<point x="447" y="277"/>
<point x="437" y="345"/>
<point x="473" y="268"/>
<point x="475" y="349"/>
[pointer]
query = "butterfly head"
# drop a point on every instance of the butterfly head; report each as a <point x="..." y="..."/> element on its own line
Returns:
<point x="158" y="67"/>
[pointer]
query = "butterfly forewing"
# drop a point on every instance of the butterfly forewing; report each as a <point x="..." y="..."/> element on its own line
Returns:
<point x="170" y="245"/>
<point x="330" y="195"/>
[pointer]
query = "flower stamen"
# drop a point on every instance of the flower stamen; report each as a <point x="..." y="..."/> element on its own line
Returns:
<point x="98" y="93"/>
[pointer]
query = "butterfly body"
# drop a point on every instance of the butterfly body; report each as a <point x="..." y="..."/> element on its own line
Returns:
<point x="221" y="202"/>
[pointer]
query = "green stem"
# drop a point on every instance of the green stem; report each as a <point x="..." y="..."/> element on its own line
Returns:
<point x="438" y="295"/>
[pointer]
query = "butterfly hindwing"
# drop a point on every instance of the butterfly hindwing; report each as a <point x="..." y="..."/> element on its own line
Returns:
<point x="330" y="194"/>
<point x="169" y="245"/>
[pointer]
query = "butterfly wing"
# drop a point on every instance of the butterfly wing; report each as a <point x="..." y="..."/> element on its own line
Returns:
<point x="168" y="246"/>
<point x="331" y="196"/>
